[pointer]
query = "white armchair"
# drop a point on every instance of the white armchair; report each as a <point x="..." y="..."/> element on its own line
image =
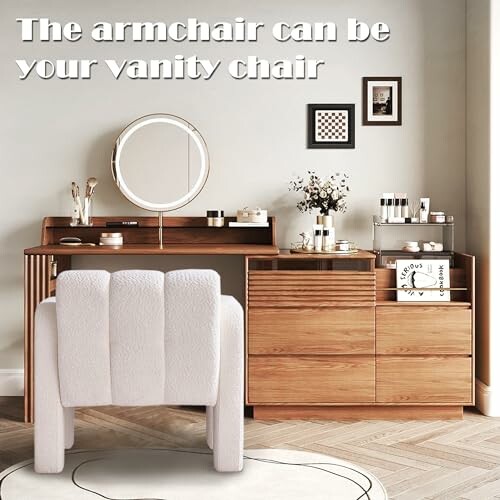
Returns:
<point x="138" y="338"/>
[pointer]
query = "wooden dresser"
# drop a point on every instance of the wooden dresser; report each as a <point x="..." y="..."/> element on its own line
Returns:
<point x="326" y="338"/>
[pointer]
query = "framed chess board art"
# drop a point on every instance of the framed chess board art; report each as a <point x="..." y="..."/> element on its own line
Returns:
<point x="330" y="126"/>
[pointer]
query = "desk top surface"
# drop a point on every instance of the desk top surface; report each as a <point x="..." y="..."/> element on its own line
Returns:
<point x="154" y="249"/>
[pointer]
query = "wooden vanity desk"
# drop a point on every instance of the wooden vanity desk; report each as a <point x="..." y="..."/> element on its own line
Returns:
<point x="181" y="236"/>
<point x="325" y="336"/>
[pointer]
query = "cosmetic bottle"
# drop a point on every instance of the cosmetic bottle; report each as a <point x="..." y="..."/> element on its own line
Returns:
<point x="424" y="210"/>
<point x="328" y="241"/>
<point x="405" y="210"/>
<point x="390" y="209"/>
<point x="318" y="237"/>
<point x="397" y="208"/>
<point x="328" y="223"/>
<point x="383" y="210"/>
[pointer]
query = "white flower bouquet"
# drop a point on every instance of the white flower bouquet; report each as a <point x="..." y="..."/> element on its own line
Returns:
<point x="325" y="194"/>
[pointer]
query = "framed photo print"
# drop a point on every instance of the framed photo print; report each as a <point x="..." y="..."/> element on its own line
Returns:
<point x="382" y="100"/>
<point x="330" y="126"/>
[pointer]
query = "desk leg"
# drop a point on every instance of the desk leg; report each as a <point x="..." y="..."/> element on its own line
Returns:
<point x="36" y="289"/>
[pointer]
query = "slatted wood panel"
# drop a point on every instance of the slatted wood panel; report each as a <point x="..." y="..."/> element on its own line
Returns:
<point x="36" y="289"/>
<point x="311" y="289"/>
<point x="423" y="330"/>
<point x="415" y="379"/>
<point x="311" y="379"/>
<point x="315" y="331"/>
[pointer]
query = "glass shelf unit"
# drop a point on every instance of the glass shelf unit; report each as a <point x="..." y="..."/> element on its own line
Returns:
<point x="389" y="239"/>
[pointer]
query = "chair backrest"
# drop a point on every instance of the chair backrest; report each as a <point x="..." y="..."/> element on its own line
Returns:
<point x="138" y="337"/>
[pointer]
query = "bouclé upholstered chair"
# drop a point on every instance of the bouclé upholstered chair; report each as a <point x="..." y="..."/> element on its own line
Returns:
<point x="138" y="338"/>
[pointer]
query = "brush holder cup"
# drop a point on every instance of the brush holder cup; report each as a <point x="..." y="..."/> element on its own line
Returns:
<point x="81" y="212"/>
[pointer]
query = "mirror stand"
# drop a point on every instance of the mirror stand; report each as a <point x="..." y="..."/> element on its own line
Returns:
<point x="160" y="228"/>
<point x="159" y="143"/>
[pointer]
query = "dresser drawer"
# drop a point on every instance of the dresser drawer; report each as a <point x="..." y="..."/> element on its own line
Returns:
<point x="311" y="289"/>
<point x="311" y="331"/>
<point x="434" y="379"/>
<point x="423" y="330"/>
<point x="311" y="379"/>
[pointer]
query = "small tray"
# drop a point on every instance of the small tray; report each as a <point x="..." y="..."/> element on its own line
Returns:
<point x="326" y="252"/>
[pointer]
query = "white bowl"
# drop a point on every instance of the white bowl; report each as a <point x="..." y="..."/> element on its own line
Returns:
<point x="411" y="244"/>
<point x="411" y="249"/>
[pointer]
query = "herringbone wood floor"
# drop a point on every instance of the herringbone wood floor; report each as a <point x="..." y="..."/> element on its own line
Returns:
<point x="415" y="460"/>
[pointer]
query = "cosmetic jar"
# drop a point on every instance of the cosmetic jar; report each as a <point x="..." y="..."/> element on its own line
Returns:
<point x="215" y="218"/>
<point x="437" y="217"/>
<point x="111" y="239"/>
<point x="256" y="216"/>
<point x="450" y="219"/>
<point x="342" y="246"/>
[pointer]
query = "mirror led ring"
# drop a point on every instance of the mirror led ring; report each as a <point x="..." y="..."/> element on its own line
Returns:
<point x="198" y="140"/>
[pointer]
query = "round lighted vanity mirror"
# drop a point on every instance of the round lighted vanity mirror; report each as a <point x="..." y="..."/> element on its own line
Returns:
<point x="160" y="162"/>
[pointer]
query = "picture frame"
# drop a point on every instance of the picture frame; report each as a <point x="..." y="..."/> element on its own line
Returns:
<point x="382" y="100"/>
<point x="330" y="126"/>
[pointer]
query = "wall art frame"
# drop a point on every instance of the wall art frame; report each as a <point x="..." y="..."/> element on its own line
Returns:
<point x="330" y="126"/>
<point x="382" y="100"/>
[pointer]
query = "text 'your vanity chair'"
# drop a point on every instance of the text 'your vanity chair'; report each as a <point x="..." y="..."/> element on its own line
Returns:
<point x="135" y="338"/>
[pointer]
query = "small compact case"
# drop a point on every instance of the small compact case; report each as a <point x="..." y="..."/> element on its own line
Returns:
<point x="256" y="215"/>
<point x="111" y="239"/>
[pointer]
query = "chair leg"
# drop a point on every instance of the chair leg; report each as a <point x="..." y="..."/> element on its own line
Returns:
<point x="69" y="427"/>
<point x="210" y="427"/>
<point x="49" y="413"/>
<point x="228" y="411"/>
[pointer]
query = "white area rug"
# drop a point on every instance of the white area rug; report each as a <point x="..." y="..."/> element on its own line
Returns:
<point x="160" y="474"/>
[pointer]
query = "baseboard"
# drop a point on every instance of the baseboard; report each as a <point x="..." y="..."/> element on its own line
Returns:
<point x="487" y="399"/>
<point x="11" y="382"/>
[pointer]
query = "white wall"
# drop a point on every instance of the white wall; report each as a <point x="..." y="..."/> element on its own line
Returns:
<point x="483" y="180"/>
<point x="478" y="166"/>
<point x="53" y="132"/>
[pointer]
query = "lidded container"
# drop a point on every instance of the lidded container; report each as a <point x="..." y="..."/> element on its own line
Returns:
<point x="215" y="218"/>
<point x="256" y="215"/>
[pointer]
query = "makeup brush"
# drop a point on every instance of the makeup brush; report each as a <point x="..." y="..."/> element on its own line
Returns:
<point x="79" y="203"/>
<point x="91" y="184"/>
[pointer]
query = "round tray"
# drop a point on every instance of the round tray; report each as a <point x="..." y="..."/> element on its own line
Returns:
<point x="325" y="252"/>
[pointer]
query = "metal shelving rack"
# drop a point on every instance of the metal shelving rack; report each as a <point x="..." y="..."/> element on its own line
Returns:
<point x="382" y="252"/>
